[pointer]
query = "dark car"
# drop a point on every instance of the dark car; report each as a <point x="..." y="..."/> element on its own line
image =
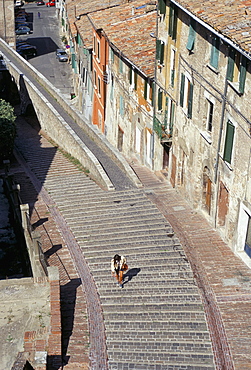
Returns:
<point x="21" y="24"/>
<point x="61" y="55"/>
<point x="40" y="3"/>
<point x="27" y="51"/>
<point x="23" y="30"/>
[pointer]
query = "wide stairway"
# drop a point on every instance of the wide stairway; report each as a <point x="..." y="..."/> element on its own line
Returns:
<point x="156" y="321"/>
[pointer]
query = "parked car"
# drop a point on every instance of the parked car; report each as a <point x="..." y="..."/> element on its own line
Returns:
<point x="20" y="19"/>
<point x="40" y="3"/>
<point x="61" y="55"/>
<point x="19" y="3"/>
<point x="21" y="24"/>
<point x="27" y="51"/>
<point x="50" y="3"/>
<point x="23" y="30"/>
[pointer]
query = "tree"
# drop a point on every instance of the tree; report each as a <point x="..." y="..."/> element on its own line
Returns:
<point x="7" y="129"/>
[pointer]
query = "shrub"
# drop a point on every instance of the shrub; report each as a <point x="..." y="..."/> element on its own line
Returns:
<point x="7" y="129"/>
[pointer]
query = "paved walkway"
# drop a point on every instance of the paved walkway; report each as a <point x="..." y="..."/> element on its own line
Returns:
<point x="156" y="321"/>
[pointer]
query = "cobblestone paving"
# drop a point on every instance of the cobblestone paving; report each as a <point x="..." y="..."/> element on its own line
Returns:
<point x="157" y="320"/>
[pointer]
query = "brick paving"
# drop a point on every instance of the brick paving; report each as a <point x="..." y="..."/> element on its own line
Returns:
<point x="223" y="280"/>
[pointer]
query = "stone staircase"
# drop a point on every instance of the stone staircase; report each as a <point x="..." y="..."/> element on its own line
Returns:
<point x="157" y="320"/>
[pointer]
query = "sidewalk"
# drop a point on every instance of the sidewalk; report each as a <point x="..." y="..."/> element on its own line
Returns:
<point x="224" y="280"/>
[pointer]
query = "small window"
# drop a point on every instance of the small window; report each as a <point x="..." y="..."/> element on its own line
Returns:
<point x="121" y="106"/>
<point x="191" y="35"/>
<point x="173" y="18"/>
<point x="99" y="86"/>
<point x="112" y="56"/>
<point x="162" y="7"/>
<point x="229" y="140"/>
<point x="98" y="49"/>
<point x="237" y="69"/>
<point x="172" y="67"/>
<point x="94" y="45"/>
<point x="160" y="50"/>
<point x="120" y="66"/>
<point x="160" y="98"/>
<point x="186" y="95"/>
<point x="112" y="88"/>
<point x="214" y="57"/>
<point x="210" y="111"/>
<point x="95" y="79"/>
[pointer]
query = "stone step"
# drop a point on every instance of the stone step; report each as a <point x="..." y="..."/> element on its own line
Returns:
<point x="155" y="365"/>
<point x="124" y="307"/>
<point x="165" y="345"/>
<point x="186" y="360"/>
<point x="178" y="335"/>
<point x="195" y="324"/>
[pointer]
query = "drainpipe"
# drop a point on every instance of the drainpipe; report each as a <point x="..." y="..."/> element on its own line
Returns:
<point x="216" y="177"/>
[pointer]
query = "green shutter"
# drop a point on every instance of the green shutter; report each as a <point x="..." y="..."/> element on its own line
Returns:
<point x="214" y="58"/>
<point x="172" y="118"/>
<point x="158" y="48"/>
<point x="190" y="101"/>
<point x="112" y="56"/>
<point x="120" y="66"/>
<point x="121" y="105"/>
<point x="229" y="142"/>
<point x="182" y="86"/>
<point x="162" y="51"/>
<point x="160" y="94"/>
<point x="166" y="112"/>
<point x="243" y="72"/>
<point x="230" y="64"/>
<point x="170" y="27"/>
<point x="191" y="36"/>
<point x="175" y="20"/>
<point x="162" y="7"/>
<point x="145" y="89"/>
<point x="135" y="80"/>
<point x="130" y="75"/>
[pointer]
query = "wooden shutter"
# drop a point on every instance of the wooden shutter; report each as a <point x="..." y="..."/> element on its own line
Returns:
<point x="166" y="112"/>
<point x="230" y="65"/>
<point x="160" y="94"/>
<point x="162" y="7"/>
<point x="182" y="86"/>
<point x="145" y="89"/>
<point x="191" y="36"/>
<point x="171" y="16"/>
<point x="158" y="47"/>
<point x="130" y="75"/>
<point x="121" y="105"/>
<point x="135" y="80"/>
<point x="190" y="101"/>
<point x="243" y="72"/>
<point x="229" y="142"/>
<point x="214" y="52"/>
<point x="162" y="51"/>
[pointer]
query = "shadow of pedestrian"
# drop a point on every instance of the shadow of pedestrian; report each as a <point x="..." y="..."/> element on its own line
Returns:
<point x="129" y="275"/>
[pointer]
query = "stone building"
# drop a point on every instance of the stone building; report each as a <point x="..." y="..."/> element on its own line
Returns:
<point x="204" y="70"/>
<point x="7" y="25"/>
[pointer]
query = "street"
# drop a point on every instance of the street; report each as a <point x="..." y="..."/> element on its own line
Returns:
<point x="46" y="38"/>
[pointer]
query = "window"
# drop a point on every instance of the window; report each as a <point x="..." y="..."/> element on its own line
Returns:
<point x="94" y="45"/>
<point x="121" y="106"/>
<point x="237" y="69"/>
<point x="162" y="7"/>
<point x="98" y="49"/>
<point x="172" y="67"/>
<point x="210" y="110"/>
<point x="120" y="66"/>
<point x="95" y="79"/>
<point x="160" y="50"/>
<point x="214" y="57"/>
<point x="173" y="17"/>
<point x="186" y="95"/>
<point x="191" y="35"/>
<point x="247" y="247"/>
<point x="169" y="116"/>
<point x="229" y="140"/>
<point x="160" y="97"/>
<point x="112" y="88"/>
<point x="112" y="56"/>
<point x="99" y="86"/>
<point x="133" y="78"/>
